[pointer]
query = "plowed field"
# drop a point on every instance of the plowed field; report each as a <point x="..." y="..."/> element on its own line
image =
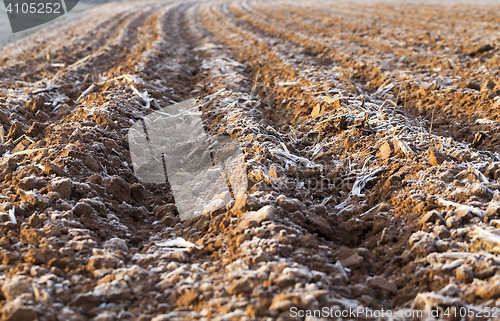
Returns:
<point x="370" y="134"/>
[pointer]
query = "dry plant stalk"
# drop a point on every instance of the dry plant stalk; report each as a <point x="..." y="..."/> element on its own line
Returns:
<point x="254" y="84"/>
<point x="346" y="77"/>
<point x="432" y="119"/>
<point x="268" y="99"/>
<point x="129" y="78"/>
<point x="146" y="98"/>
<point x="27" y="152"/>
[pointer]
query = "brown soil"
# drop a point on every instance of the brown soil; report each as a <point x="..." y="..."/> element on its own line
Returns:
<point x="370" y="133"/>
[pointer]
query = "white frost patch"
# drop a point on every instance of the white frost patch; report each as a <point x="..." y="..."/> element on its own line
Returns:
<point x="177" y="244"/>
<point x="12" y="215"/>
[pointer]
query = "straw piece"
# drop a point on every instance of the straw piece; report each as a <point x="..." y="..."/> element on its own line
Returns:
<point x="12" y="215"/>
<point x="86" y="92"/>
<point x="26" y="152"/>
<point x="459" y="207"/>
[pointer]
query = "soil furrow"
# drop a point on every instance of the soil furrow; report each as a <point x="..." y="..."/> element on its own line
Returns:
<point x="454" y="104"/>
<point x="63" y="51"/>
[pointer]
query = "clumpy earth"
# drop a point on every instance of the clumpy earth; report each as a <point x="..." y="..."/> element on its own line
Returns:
<point x="370" y="133"/>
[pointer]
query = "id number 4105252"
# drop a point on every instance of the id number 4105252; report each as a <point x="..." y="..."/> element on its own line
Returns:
<point x="34" y="7"/>
<point x="478" y="312"/>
